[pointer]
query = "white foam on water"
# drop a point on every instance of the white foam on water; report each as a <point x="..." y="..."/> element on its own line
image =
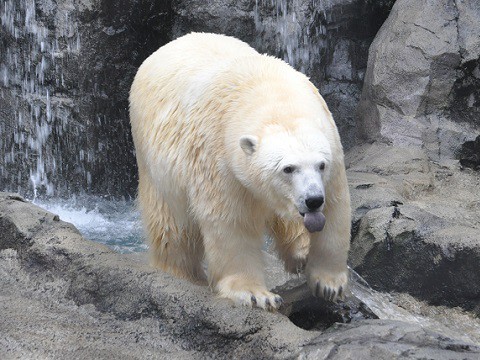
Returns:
<point x="113" y="223"/>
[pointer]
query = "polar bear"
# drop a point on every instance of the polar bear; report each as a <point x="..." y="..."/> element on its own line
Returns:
<point x="232" y="145"/>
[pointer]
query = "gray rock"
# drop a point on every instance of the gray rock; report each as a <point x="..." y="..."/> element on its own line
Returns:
<point x="416" y="225"/>
<point x="415" y="209"/>
<point x="381" y="340"/>
<point x="64" y="296"/>
<point x="414" y="93"/>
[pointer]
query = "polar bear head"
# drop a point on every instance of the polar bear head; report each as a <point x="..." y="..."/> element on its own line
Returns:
<point x="289" y="168"/>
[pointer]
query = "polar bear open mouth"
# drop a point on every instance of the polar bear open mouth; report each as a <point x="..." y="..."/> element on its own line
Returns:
<point x="314" y="221"/>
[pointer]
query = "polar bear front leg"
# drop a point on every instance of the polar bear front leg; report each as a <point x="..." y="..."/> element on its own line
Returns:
<point x="292" y="243"/>
<point x="236" y="266"/>
<point x="326" y="270"/>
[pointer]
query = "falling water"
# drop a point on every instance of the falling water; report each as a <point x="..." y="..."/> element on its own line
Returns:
<point x="297" y="29"/>
<point x="31" y="73"/>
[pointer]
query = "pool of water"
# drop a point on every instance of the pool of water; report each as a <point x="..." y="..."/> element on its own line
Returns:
<point x="113" y="223"/>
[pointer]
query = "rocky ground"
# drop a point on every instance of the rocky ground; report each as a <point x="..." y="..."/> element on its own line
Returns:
<point x="416" y="225"/>
<point x="65" y="296"/>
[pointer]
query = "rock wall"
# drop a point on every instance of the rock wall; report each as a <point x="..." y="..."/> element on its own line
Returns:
<point x="66" y="68"/>
<point x="422" y="76"/>
<point x="415" y="205"/>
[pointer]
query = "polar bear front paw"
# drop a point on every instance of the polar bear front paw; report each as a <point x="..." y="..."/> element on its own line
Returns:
<point x="246" y="293"/>
<point x="328" y="285"/>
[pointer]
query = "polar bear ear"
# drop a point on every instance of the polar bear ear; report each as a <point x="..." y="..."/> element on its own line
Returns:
<point x="248" y="143"/>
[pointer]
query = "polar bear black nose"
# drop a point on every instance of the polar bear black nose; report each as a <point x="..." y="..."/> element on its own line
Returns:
<point x="313" y="203"/>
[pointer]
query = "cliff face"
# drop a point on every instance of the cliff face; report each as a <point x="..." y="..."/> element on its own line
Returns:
<point x="416" y="194"/>
<point x="66" y="68"/>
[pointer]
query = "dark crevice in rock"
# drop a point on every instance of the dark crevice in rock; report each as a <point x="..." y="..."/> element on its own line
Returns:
<point x="465" y="96"/>
<point x="457" y="16"/>
<point x="311" y="313"/>
<point x="470" y="154"/>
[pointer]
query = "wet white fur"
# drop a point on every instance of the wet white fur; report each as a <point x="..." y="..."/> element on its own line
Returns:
<point x="214" y="123"/>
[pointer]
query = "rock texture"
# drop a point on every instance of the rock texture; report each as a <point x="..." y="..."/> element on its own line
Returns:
<point x="86" y="300"/>
<point x="416" y="225"/>
<point x="423" y="68"/>
<point x="66" y="68"/>
<point x="415" y="206"/>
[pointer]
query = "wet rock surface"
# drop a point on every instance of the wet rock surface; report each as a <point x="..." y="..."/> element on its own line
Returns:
<point x="64" y="295"/>
<point x="66" y="68"/>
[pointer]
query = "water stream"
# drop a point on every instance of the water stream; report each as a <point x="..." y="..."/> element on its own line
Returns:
<point x="298" y="37"/>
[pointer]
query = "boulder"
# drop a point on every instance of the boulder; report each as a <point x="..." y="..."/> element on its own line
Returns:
<point x="415" y="225"/>
<point x="420" y="85"/>
<point x="66" y="296"/>
<point x="415" y="206"/>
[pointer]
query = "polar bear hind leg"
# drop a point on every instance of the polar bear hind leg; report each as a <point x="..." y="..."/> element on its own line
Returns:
<point x="175" y="249"/>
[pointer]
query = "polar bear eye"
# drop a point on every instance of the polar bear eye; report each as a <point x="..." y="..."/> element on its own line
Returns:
<point x="288" y="169"/>
<point x="322" y="166"/>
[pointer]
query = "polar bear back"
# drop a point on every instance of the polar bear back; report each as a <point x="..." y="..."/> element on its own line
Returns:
<point x="191" y="59"/>
<point x="169" y="82"/>
<point x="190" y="103"/>
<point x="178" y="143"/>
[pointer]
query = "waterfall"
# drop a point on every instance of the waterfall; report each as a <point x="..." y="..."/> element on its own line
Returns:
<point x="296" y="27"/>
<point x="31" y="73"/>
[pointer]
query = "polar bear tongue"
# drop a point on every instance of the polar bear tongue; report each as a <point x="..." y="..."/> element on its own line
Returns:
<point x="314" y="221"/>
